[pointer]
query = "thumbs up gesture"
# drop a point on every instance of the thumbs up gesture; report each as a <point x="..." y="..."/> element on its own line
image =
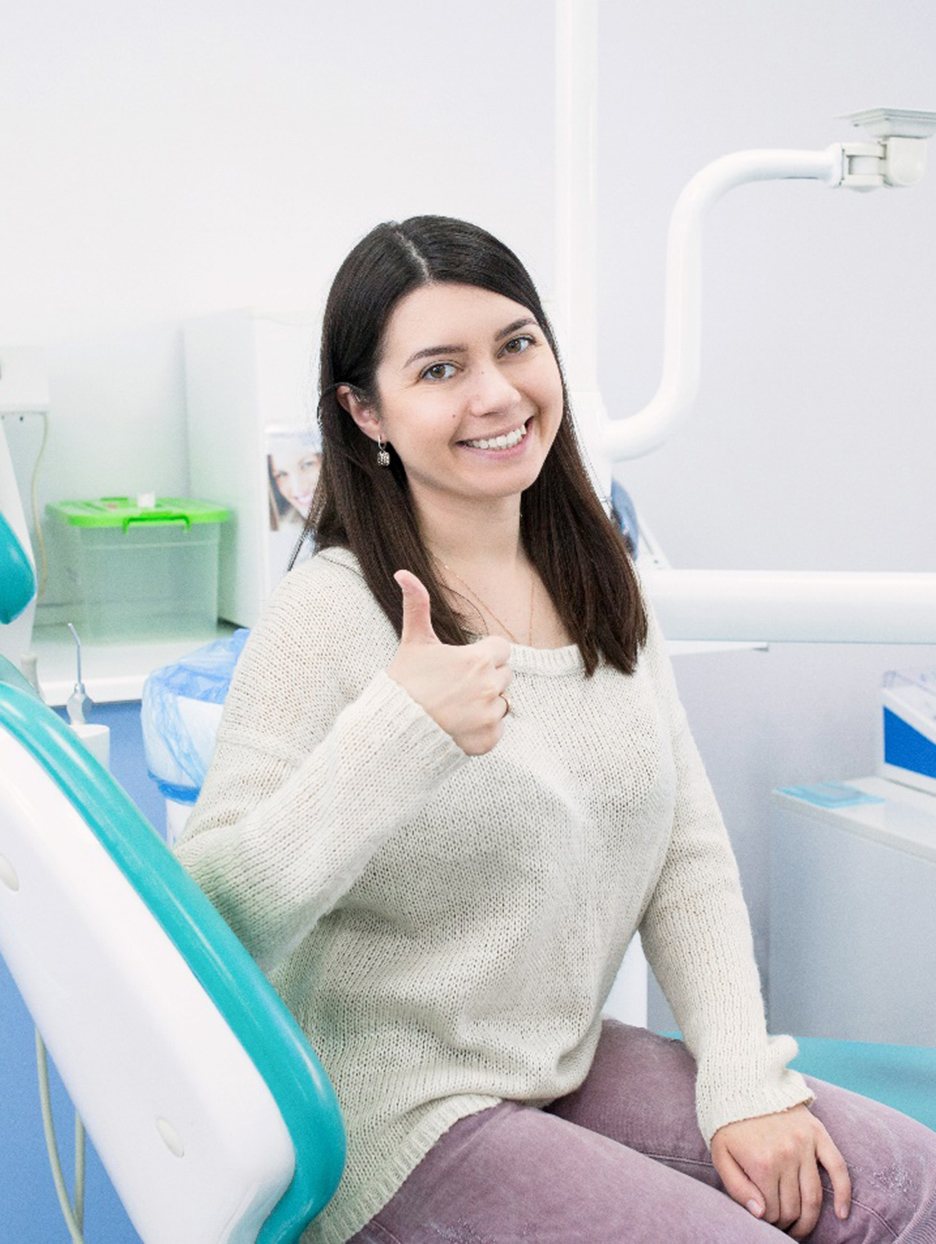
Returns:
<point x="459" y="686"/>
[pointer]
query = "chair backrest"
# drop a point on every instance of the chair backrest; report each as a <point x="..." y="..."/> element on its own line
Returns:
<point x="17" y="578"/>
<point x="206" y="1104"/>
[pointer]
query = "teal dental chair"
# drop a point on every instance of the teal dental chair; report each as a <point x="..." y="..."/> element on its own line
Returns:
<point x="209" y="1110"/>
<point x="902" y="1076"/>
<point x="17" y="577"/>
<point x="207" y="1107"/>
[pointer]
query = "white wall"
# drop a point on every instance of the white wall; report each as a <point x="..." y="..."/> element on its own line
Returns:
<point x="175" y="157"/>
<point x="160" y="160"/>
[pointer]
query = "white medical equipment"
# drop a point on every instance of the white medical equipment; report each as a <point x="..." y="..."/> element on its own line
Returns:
<point x="93" y="735"/>
<point x="910" y="729"/>
<point x="714" y="604"/>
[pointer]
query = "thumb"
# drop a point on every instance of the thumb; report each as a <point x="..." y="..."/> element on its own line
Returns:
<point x="417" y="611"/>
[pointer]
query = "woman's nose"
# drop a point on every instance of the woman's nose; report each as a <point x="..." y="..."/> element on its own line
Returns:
<point x="491" y="392"/>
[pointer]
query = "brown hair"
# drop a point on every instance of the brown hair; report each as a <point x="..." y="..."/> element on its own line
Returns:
<point x="580" y="554"/>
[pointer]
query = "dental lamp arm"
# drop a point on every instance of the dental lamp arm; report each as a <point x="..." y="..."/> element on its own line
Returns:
<point x="758" y="605"/>
<point x="897" y="157"/>
<point x="667" y="410"/>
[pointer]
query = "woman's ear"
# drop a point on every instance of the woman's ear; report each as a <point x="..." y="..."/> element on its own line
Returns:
<point x="363" y="414"/>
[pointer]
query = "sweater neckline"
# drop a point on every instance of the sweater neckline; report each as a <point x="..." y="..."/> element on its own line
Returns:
<point x="564" y="660"/>
<point x="552" y="661"/>
<point x="549" y="661"/>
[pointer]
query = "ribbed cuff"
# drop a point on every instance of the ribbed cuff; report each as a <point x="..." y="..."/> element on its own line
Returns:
<point x="778" y="1090"/>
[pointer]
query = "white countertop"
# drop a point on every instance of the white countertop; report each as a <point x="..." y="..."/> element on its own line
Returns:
<point x="111" y="671"/>
<point x="906" y="818"/>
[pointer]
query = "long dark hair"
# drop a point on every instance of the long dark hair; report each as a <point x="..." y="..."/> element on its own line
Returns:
<point x="580" y="555"/>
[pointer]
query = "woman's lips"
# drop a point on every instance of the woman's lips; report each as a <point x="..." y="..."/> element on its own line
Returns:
<point x="507" y="451"/>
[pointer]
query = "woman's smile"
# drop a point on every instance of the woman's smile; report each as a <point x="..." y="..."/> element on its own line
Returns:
<point x="500" y="445"/>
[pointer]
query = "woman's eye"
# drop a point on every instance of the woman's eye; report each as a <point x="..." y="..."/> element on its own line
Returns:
<point x="517" y="345"/>
<point x="439" y="371"/>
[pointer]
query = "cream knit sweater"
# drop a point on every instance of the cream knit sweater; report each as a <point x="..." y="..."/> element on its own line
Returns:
<point x="446" y="929"/>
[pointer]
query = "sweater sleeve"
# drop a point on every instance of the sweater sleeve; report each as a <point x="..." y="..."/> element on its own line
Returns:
<point x="310" y="774"/>
<point x="696" y="935"/>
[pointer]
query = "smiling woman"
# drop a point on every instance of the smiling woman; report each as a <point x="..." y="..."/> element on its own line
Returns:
<point x="436" y="343"/>
<point x="453" y="778"/>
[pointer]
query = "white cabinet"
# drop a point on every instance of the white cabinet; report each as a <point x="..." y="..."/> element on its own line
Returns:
<point x="853" y="917"/>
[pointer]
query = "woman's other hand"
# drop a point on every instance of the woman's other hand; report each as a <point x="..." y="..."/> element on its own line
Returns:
<point x="460" y="687"/>
<point x="770" y="1165"/>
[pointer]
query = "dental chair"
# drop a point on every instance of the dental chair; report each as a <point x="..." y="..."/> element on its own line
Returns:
<point x="902" y="1076"/>
<point x="211" y="1114"/>
<point x="207" y="1107"/>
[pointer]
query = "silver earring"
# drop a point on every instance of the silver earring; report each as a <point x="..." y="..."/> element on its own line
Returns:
<point x="383" y="457"/>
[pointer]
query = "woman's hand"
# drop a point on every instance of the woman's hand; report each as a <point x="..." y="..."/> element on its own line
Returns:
<point x="460" y="687"/>
<point x="770" y="1165"/>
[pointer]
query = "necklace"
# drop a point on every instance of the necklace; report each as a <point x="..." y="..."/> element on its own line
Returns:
<point x="487" y="608"/>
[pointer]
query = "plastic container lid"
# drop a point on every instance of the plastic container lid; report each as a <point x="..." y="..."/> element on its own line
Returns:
<point x="122" y="511"/>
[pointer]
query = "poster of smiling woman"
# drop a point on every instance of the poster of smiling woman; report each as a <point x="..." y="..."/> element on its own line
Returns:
<point x="294" y="458"/>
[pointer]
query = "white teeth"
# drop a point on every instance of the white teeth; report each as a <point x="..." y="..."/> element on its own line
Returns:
<point x="507" y="441"/>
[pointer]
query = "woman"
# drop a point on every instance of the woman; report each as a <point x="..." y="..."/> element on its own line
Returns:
<point x="454" y="777"/>
<point x="294" y="460"/>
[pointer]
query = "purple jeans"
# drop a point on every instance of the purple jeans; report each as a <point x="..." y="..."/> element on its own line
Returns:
<point x="621" y="1161"/>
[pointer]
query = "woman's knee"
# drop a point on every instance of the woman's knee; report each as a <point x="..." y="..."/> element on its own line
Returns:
<point x="640" y="1091"/>
<point x="891" y="1161"/>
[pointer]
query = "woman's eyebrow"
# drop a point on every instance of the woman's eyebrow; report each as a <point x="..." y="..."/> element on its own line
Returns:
<point x="432" y="350"/>
<point x="512" y="328"/>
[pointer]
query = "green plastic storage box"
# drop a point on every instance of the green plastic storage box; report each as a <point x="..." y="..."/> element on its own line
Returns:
<point x="139" y="572"/>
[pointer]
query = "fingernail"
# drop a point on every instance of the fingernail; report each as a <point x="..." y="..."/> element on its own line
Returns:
<point x="842" y="1211"/>
<point x="755" y="1208"/>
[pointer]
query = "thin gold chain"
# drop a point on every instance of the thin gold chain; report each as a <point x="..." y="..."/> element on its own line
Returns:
<point x="487" y="608"/>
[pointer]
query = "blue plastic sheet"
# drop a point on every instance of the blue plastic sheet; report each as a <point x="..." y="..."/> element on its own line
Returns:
<point x="830" y="795"/>
<point x="181" y="711"/>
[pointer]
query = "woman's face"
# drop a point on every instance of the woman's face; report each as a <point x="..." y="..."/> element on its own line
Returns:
<point x="295" y="468"/>
<point x="469" y="391"/>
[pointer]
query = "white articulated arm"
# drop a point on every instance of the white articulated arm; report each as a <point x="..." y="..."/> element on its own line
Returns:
<point x="774" y="606"/>
<point x="652" y="426"/>
<point x="769" y="606"/>
<point x="896" y="158"/>
<point x="713" y="605"/>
